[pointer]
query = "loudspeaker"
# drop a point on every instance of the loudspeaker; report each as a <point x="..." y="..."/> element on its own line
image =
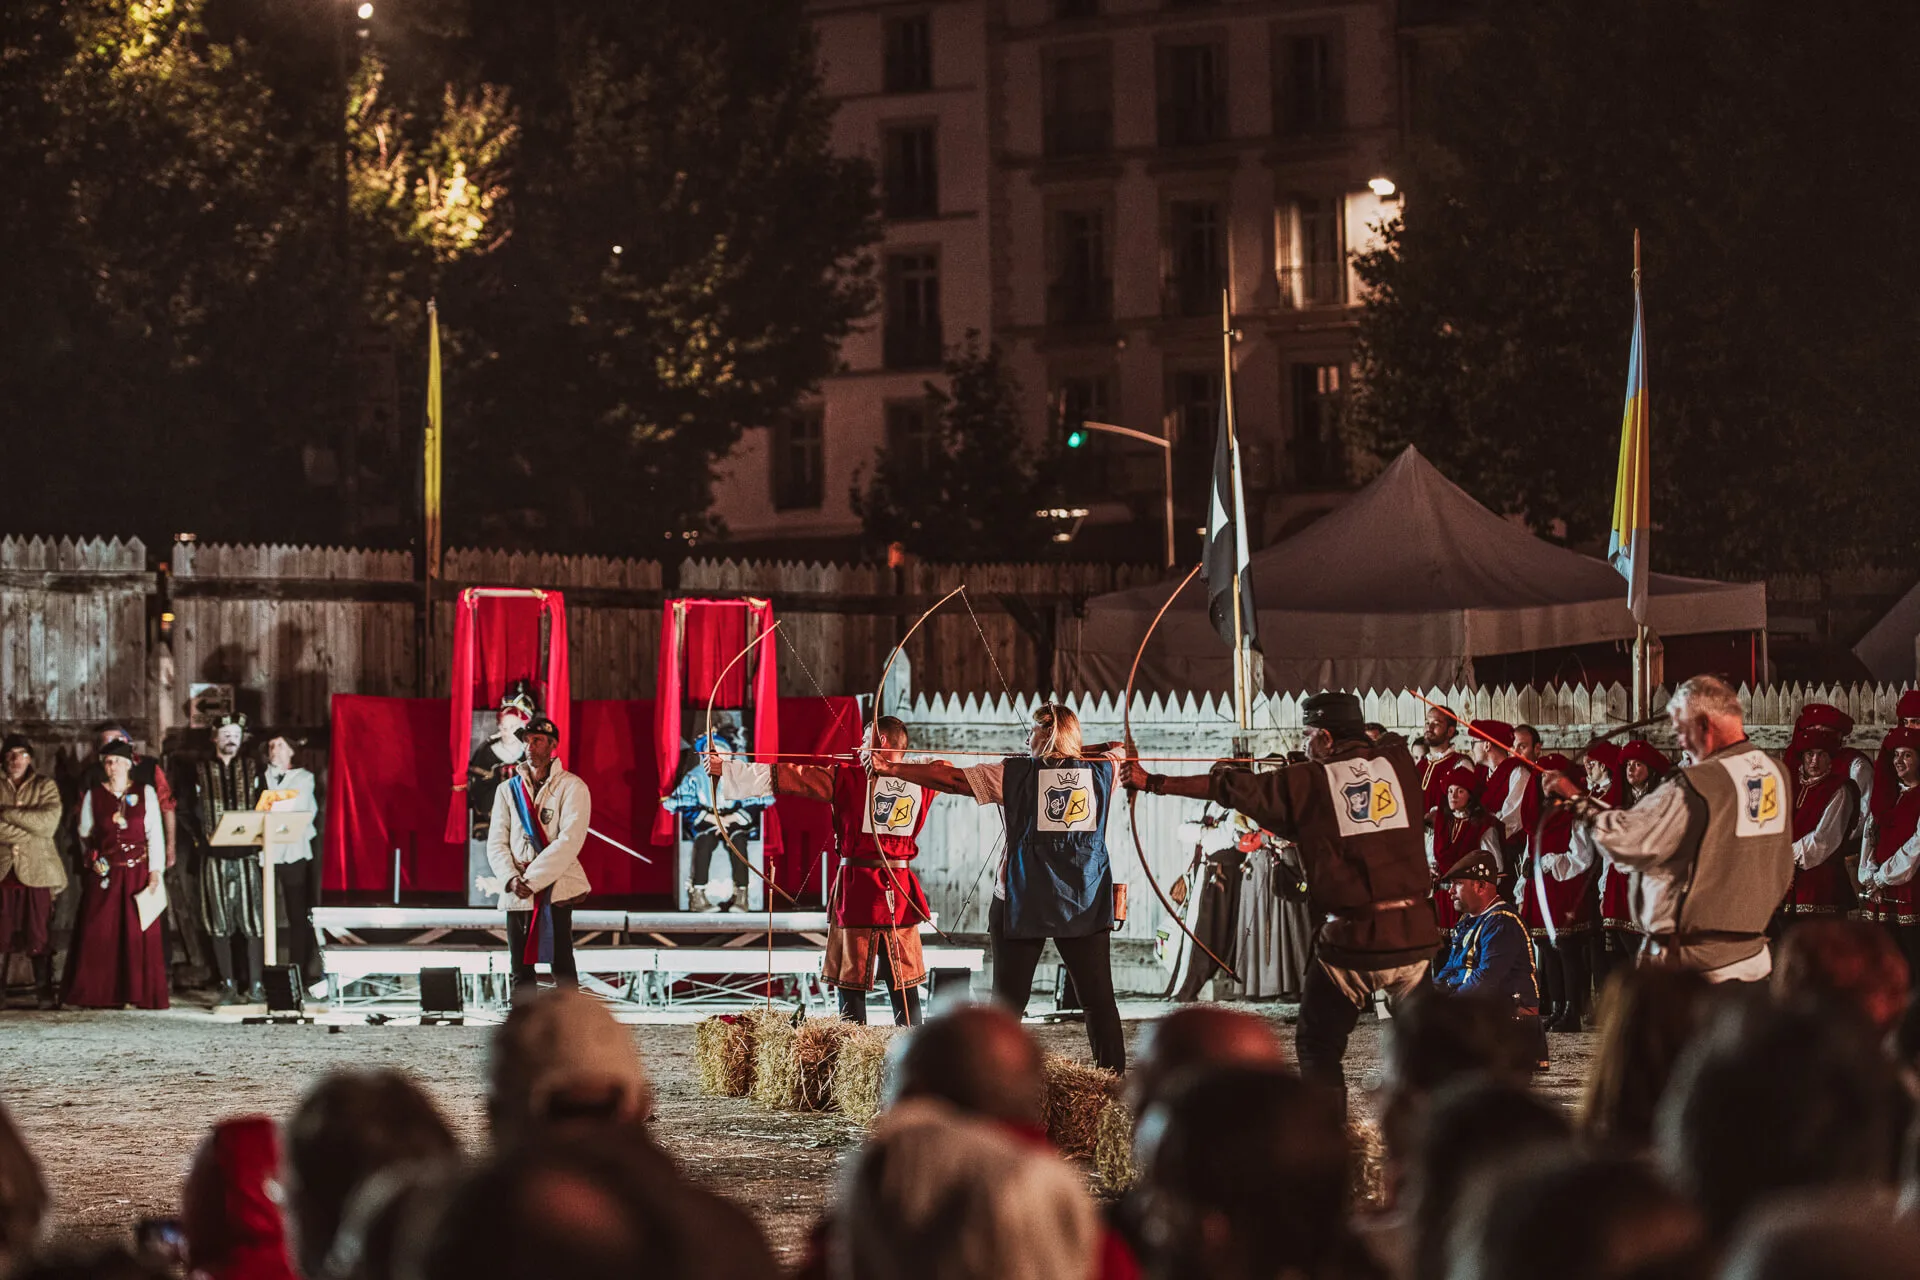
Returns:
<point x="286" y="992"/>
<point x="443" y="997"/>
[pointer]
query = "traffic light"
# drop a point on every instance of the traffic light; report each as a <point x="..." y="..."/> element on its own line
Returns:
<point x="1069" y="416"/>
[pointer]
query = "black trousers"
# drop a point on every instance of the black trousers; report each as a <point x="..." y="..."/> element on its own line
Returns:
<point x="295" y="882"/>
<point x="1327" y="1020"/>
<point x="905" y="1000"/>
<point x="564" y="969"/>
<point x="1090" y="962"/>
<point x="700" y="864"/>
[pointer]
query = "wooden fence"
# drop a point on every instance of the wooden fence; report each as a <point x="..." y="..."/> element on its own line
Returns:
<point x="73" y="636"/>
<point x="290" y="626"/>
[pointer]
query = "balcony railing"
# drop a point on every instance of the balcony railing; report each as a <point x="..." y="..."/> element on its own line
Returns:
<point x="1313" y="284"/>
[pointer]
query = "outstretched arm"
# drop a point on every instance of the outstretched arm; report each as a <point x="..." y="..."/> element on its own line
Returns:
<point x="936" y="775"/>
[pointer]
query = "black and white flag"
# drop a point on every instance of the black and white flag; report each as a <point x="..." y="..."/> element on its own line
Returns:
<point x="1226" y="553"/>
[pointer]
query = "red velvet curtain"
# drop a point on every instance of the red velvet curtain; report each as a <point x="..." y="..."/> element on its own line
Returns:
<point x="384" y="792"/>
<point x="382" y="795"/>
<point x="496" y="640"/>
<point x="698" y="638"/>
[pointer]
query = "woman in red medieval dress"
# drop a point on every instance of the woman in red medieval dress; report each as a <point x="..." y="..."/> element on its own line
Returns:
<point x="115" y="960"/>
<point x="1565" y="868"/>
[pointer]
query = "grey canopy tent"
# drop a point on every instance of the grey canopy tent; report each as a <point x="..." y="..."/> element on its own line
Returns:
<point x="1401" y="586"/>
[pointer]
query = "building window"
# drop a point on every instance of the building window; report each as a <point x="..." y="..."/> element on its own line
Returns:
<point x="1311" y="252"/>
<point x="1193" y="94"/>
<point x="1196" y="258"/>
<point x="909" y="54"/>
<point x="1081" y="290"/>
<point x="1078" y="398"/>
<point x="1193" y="407"/>
<point x="912" y="333"/>
<point x="1319" y="456"/>
<point x="909" y="173"/>
<point x="1078" y="101"/>
<point x="909" y="438"/>
<point x="1308" y="81"/>
<point x="799" y="472"/>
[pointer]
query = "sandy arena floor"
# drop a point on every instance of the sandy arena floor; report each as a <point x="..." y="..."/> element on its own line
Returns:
<point x="114" y="1103"/>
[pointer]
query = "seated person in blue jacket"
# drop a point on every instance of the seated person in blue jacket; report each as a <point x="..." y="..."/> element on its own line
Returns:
<point x="1489" y="952"/>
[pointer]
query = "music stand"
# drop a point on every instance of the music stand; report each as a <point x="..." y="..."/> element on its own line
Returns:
<point x="270" y="832"/>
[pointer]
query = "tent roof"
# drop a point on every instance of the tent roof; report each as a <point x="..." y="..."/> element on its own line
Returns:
<point x="1411" y="567"/>
<point x="1887" y="649"/>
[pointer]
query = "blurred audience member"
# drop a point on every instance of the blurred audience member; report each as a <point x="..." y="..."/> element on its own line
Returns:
<point x="350" y="1126"/>
<point x="977" y="1058"/>
<point x="31" y="868"/>
<point x="1576" y="1217"/>
<point x="938" y="1195"/>
<point x="1769" y="1100"/>
<point x="377" y="1217"/>
<point x="1246" y="1175"/>
<point x="1201" y="1035"/>
<point x="574" y="1203"/>
<point x="561" y="1059"/>
<point x="230" y="1211"/>
<point x="1435" y="1038"/>
<point x="23" y="1195"/>
<point x="1647" y="1017"/>
<point x="1825" y="1238"/>
<point x="1846" y="966"/>
<point x="1473" y="1126"/>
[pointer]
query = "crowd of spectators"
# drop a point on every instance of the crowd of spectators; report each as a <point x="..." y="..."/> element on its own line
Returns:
<point x="1741" y="1131"/>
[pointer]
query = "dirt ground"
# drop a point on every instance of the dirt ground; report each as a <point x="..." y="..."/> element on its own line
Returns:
<point x="113" y="1104"/>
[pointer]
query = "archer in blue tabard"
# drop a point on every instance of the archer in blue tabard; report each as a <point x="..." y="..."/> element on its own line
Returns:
<point x="1055" y="880"/>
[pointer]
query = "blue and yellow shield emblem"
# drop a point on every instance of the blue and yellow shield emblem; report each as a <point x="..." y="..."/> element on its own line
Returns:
<point x="1067" y="805"/>
<point x="1370" y="802"/>
<point x="1763" y="797"/>
<point x="892" y="811"/>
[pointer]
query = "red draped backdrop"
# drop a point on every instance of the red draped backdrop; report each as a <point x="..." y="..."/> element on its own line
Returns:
<point x="387" y="789"/>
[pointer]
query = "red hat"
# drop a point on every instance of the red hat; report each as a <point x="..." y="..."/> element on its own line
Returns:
<point x="1646" y="753"/>
<point x="1823" y="715"/>
<point x="1554" y="762"/>
<point x="1908" y="708"/>
<point x="1459" y="772"/>
<point x="1603" y="751"/>
<point x="1500" y="731"/>
<point x="1886" y="786"/>
<point x="1812" y="737"/>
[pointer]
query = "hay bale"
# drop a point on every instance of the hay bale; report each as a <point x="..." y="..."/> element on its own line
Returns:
<point x="816" y="1054"/>
<point x="1076" y="1094"/>
<point x="776" y="1071"/>
<point x="859" y="1072"/>
<point x="723" y="1054"/>
<point x="1113" y="1147"/>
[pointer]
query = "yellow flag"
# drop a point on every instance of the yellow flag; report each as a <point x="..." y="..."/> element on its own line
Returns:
<point x="1629" y="546"/>
<point x="436" y="429"/>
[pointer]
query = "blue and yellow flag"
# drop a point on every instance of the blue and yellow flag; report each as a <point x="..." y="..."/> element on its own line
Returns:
<point x="1630" y="544"/>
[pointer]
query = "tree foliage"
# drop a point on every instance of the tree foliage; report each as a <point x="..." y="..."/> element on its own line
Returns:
<point x="972" y="492"/>
<point x="186" y="298"/>
<point x="1764" y="159"/>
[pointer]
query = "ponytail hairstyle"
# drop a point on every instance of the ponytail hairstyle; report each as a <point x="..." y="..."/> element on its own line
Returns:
<point x="1063" y="739"/>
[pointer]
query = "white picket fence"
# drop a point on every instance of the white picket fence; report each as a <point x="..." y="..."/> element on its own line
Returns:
<point x="962" y="841"/>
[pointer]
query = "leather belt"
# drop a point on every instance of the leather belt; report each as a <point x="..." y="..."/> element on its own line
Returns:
<point x="1700" y="937"/>
<point x="876" y="864"/>
<point x="1374" y="909"/>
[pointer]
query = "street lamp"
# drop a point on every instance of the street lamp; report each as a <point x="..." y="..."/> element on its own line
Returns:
<point x="1382" y="187"/>
<point x="366" y="12"/>
<point x="1163" y="443"/>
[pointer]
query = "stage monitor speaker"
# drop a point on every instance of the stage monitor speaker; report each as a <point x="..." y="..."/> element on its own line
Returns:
<point x="1065" y="996"/>
<point x="442" y="996"/>
<point x="286" y="992"/>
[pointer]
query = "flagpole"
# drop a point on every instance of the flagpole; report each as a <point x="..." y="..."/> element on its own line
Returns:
<point x="432" y="498"/>
<point x="1642" y="683"/>
<point x="1241" y="710"/>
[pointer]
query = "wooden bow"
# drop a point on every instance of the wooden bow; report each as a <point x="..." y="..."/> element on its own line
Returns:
<point x="1133" y="797"/>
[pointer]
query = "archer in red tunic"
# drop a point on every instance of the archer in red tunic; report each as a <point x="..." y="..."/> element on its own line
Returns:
<point x="112" y="960"/>
<point x="876" y="905"/>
